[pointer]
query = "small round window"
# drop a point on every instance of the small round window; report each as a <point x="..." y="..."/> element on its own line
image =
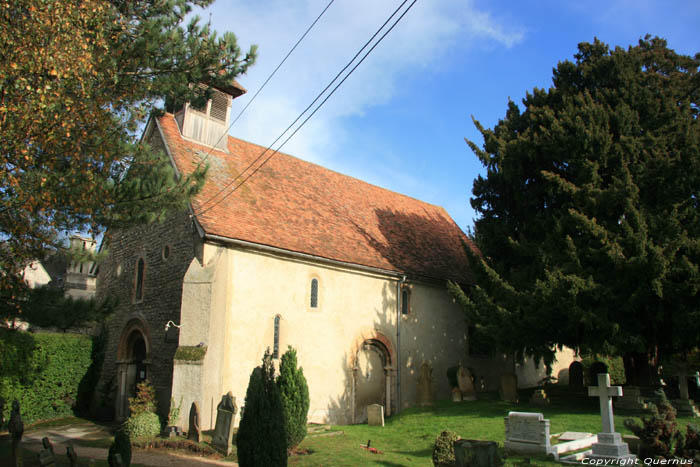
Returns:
<point x="166" y="252"/>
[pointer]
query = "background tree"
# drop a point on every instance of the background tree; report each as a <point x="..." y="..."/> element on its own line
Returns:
<point x="294" y="393"/>
<point x="261" y="439"/>
<point x="590" y="211"/>
<point x="77" y="82"/>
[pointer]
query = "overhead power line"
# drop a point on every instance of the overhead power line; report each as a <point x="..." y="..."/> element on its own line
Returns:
<point x="228" y="185"/>
<point x="233" y="122"/>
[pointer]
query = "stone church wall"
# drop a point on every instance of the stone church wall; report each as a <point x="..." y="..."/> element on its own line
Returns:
<point x="354" y="307"/>
<point x="161" y="296"/>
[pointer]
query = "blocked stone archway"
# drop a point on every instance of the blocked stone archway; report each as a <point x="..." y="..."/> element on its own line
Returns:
<point x="372" y="375"/>
<point x="133" y="360"/>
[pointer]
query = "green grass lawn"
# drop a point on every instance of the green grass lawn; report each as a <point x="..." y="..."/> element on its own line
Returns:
<point x="407" y="439"/>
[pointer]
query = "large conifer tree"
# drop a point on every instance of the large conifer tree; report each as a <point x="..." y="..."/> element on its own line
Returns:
<point x="590" y="211"/>
<point x="77" y="81"/>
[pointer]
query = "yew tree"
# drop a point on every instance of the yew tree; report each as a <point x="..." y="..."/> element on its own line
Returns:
<point x="589" y="225"/>
<point x="78" y="79"/>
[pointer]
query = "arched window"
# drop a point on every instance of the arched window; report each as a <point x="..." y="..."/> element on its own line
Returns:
<point x="276" y="342"/>
<point x="140" y="274"/>
<point x="314" y="293"/>
<point x="405" y="300"/>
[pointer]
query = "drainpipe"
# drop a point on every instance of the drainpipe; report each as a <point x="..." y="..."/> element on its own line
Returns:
<point x="399" y="295"/>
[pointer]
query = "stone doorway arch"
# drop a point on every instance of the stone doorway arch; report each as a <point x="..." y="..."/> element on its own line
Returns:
<point x="133" y="361"/>
<point x="372" y="376"/>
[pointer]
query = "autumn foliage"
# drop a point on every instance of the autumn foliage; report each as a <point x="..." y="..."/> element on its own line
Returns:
<point x="78" y="80"/>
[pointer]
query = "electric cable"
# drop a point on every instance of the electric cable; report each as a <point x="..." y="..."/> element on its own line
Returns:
<point x="312" y="113"/>
<point x="228" y="185"/>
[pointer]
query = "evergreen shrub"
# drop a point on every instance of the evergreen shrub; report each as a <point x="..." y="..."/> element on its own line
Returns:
<point x="262" y="436"/>
<point x="658" y="434"/>
<point x="444" y="450"/>
<point x="44" y="372"/>
<point x="142" y="424"/>
<point x="143" y="420"/>
<point x="294" y="393"/>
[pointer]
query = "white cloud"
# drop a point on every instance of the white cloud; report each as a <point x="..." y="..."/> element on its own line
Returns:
<point x="418" y="45"/>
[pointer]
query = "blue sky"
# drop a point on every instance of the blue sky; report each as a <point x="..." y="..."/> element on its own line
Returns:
<point x="400" y="120"/>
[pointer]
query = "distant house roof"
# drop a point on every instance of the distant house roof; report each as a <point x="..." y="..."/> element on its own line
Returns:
<point x="302" y="207"/>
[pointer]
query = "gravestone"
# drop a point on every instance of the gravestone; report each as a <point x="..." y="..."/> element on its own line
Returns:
<point x="46" y="458"/>
<point x="466" y="384"/>
<point x="375" y="415"/>
<point x="456" y="395"/>
<point x="631" y="399"/>
<point x="16" y="429"/>
<point x="425" y="394"/>
<point x="596" y="369"/>
<point x="610" y="444"/>
<point x="508" y="389"/>
<point x="72" y="456"/>
<point x="116" y="461"/>
<point x="685" y="406"/>
<point x="194" y="432"/>
<point x="576" y="376"/>
<point x="46" y="443"/>
<point x="476" y="453"/>
<point x="539" y="397"/>
<point x="527" y="433"/>
<point x="225" y="417"/>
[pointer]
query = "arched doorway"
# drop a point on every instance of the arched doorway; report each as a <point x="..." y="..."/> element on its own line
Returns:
<point x="132" y="364"/>
<point x="371" y="378"/>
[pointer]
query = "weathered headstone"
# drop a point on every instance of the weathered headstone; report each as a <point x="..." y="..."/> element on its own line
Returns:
<point x="685" y="406"/>
<point x="576" y="376"/>
<point x="425" y="394"/>
<point x="466" y="384"/>
<point x="476" y="453"/>
<point x="375" y="415"/>
<point x="72" y="456"/>
<point x="16" y="429"/>
<point x="539" y="397"/>
<point x="46" y="443"/>
<point x="631" y="399"/>
<point x="225" y="417"/>
<point x="596" y="369"/>
<point x="508" y="389"/>
<point x="46" y="458"/>
<point x="456" y="395"/>
<point x="527" y="433"/>
<point x="116" y="461"/>
<point x="194" y="432"/>
<point x="610" y="444"/>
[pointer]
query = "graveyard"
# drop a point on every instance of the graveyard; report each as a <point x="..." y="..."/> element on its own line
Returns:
<point x="405" y="439"/>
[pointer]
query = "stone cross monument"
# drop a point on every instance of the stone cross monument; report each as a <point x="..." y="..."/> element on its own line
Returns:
<point x="610" y="444"/>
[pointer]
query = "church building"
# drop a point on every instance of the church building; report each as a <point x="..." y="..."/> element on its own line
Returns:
<point x="353" y="276"/>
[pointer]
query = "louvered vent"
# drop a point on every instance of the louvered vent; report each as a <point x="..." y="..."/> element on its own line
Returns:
<point x="219" y="106"/>
<point x="207" y="125"/>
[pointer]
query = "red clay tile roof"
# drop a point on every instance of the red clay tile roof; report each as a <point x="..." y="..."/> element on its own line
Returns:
<point x="302" y="207"/>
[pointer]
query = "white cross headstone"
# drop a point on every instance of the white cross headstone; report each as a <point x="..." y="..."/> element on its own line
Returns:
<point x="610" y="444"/>
<point x="605" y="393"/>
